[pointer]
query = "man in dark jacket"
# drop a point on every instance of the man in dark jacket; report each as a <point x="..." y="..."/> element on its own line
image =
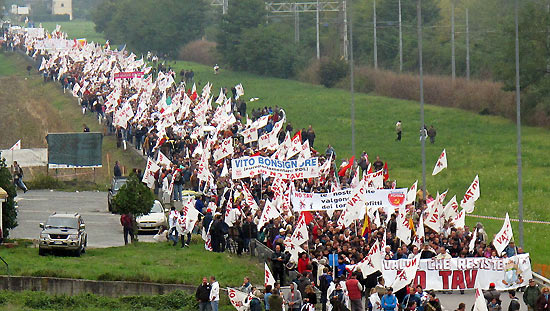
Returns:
<point x="203" y="295"/>
<point x="514" y="301"/>
<point x="250" y="231"/>
<point x="531" y="294"/>
<point x="278" y="260"/>
<point x="216" y="233"/>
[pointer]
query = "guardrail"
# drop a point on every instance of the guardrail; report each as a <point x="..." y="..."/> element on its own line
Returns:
<point x="540" y="280"/>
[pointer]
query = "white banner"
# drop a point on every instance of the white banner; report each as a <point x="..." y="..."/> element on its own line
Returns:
<point x="293" y="169"/>
<point x="374" y="198"/>
<point x="465" y="273"/>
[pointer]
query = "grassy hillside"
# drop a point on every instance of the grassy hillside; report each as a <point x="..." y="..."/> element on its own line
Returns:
<point x="77" y="29"/>
<point x="31" y="108"/>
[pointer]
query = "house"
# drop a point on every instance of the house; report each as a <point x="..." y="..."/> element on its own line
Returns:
<point x="60" y="7"/>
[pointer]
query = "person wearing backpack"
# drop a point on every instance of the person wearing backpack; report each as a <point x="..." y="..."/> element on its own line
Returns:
<point x="324" y="284"/>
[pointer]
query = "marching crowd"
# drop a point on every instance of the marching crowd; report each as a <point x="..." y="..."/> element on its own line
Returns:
<point x="192" y="143"/>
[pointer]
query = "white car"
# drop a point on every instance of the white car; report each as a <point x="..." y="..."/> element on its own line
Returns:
<point x="154" y="220"/>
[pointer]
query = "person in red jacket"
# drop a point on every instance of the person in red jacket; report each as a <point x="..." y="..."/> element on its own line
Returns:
<point x="303" y="261"/>
<point x="354" y="292"/>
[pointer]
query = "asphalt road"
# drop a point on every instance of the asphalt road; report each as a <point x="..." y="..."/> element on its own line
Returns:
<point x="103" y="228"/>
<point x="449" y="302"/>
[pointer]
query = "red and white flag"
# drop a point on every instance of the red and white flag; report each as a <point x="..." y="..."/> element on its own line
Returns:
<point x="441" y="163"/>
<point x="451" y="209"/>
<point x="300" y="235"/>
<point x="480" y="302"/>
<point x="419" y="237"/>
<point x="411" y="194"/>
<point x="163" y="160"/>
<point x="504" y="236"/>
<point x="269" y="279"/>
<point x="433" y="220"/>
<point x="224" y="150"/>
<point x="372" y="262"/>
<point x="295" y="146"/>
<point x="239" y="90"/>
<point x="149" y="174"/>
<point x="238" y="299"/>
<point x="249" y="199"/>
<point x="405" y="277"/>
<point x="471" y="195"/>
<point x="403" y="226"/>
<point x="17" y="146"/>
<point x="270" y="212"/>
<point x="459" y="221"/>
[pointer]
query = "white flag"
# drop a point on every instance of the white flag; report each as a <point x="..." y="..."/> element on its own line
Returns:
<point x="225" y="171"/>
<point x="471" y="195"/>
<point x="270" y="212"/>
<point x="250" y="135"/>
<point x="163" y="160"/>
<point x="472" y="244"/>
<point x="504" y="236"/>
<point x="480" y="302"/>
<point x="300" y="235"/>
<point x="269" y="279"/>
<point x="149" y="174"/>
<point x="238" y="299"/>
<point x="295" y="146"/>
<point x="441" y="163"/>
<point x="411" y="194"/>
<point x="249" y="199"/>
<point x="239" y="90"/>
<point x="405" y="277"/>
<point x="451" y="209"/>
<point x="355" y="180"/>
<point x="17" y="146"/>
<point x="419" y="237"/>
<point x="459" y="221"/>
<point x="433" y="220"/>
<point x="403" y="226"/>
<point x="225" y="149"/>
<point x="372" y="262"/>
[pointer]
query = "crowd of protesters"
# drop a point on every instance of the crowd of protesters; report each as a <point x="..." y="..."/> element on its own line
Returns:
<point x="168" y="118"/>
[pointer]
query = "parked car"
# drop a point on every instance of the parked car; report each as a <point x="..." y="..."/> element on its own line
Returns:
<point x="116" y="184"/>
<point x="154" y="220"/>
<point x="63" y="232"/>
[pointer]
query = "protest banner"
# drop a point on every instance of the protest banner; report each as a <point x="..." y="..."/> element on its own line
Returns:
<point x="129" y="75"/>
<point x="374" y="198"/>
<point x="464" y="273"/>
<point x="293" y="169"/>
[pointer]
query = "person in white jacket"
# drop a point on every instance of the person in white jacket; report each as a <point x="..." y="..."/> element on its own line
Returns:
<point x="214" y="293"/>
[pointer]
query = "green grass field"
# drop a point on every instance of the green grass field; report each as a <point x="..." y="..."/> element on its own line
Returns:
<point x="140" y="262"/>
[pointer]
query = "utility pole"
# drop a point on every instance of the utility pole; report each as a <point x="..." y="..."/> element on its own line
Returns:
<point x="518" y="125"/>
<point x="352" y="81"/>
<point x="345" y="32"/>
<point x="225" y="6"/>
<point x="467" y="47"/>
<point x="453" y="65"/>
<point x="400" y="41"/>
<point x="420" y="70"/>
<point x="318" y="47"/>
<point x="374" y="24"/>
<point x="548" y="38"/>
<point x="296" y="25"/>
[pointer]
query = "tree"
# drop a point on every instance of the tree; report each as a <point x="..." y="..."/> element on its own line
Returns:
<point x="151" y="25"/>
<point x="242" y="15"/>
<point x="133" y="198"/>
<point x="331" y="71"/>
<point x="9" y="213"/>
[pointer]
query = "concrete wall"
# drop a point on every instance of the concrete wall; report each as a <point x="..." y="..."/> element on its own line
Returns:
<point x="59" y="286"/>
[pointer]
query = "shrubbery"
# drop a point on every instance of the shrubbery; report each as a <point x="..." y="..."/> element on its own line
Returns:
<point x="332" y="70"/>
<point x="199" y="51"/>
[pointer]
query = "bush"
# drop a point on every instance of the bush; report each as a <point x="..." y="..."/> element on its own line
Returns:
<point x="310" y="73"/>
<point x="9" y="213"/>
<point x="199" y="51"/>
<point x="45" y="182"/>
<point x="133" y="198"/>
<point x="332" y="70"/>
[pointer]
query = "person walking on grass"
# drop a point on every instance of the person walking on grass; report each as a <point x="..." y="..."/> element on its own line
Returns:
<point x="398" y="130"/>
<point x="203" y="295"/>
<point x="431" y="133"/>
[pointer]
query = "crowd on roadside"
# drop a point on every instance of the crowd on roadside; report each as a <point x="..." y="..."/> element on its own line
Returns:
<point x="180" y="129"/>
